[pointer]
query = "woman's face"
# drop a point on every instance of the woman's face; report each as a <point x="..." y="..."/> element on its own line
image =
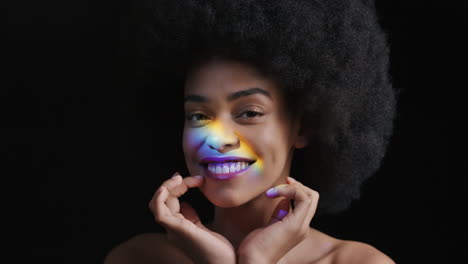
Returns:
<point x="237" y="133"/>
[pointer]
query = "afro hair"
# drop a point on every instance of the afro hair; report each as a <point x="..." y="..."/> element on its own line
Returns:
<point x="329" y="57"/>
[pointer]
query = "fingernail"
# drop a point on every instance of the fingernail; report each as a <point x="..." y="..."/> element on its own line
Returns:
<point x="176" y="174"/>
<point x="198" y="177"/>
<point x="291" y="179"/>
<point x="281" y="214"/>
<point x="272" y="192"/>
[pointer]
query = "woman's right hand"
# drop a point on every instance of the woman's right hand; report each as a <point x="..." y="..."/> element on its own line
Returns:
<point x="183" y="225"/>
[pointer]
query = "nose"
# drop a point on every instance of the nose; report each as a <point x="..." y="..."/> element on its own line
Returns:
<point x="222" y="139"/>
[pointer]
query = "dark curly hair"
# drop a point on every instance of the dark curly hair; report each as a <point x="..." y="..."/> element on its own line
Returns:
<point x="330" y="58"/>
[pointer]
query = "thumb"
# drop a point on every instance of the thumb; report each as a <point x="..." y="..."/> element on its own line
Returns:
<point x="281" y="210"/>
<point x="190" y="214"/>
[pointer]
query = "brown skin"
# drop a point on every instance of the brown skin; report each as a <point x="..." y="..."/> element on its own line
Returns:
<point x="233" y="237"/>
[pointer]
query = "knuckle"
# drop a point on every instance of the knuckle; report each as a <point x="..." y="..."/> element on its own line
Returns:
<point x="315" y="193"/>
<point x="292" y="191"/>
<point x="305" y="194"/>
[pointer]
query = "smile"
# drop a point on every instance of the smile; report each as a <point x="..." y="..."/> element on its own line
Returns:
<point x="223" y="168"/>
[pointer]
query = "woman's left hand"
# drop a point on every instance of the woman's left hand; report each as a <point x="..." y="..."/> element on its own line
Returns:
<point x="286" y="228"/>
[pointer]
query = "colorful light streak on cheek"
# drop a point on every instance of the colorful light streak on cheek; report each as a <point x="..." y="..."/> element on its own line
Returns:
<point x="214" y="132"/>
<point x="245" y="147"/>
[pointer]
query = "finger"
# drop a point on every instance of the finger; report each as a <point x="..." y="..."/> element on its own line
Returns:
<point x="313" y="207"/>
<point x="173" y="204"/>
<point x="168" y="184"/>
<point x="187" y="182"/>
<point x="172" y="182"/>
<point x="292" y="192"/>
<point x="295" y="182"/>
<point x="190" y="214"/>
<point x="158" y="206"/>
<point x="172" y="201"/>
<point x="314" y="195"/>
<point x="194" y="181"/>
<point x="281" y="210"/>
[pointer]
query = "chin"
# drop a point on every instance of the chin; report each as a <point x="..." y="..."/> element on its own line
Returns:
<point x="225" y="199"/>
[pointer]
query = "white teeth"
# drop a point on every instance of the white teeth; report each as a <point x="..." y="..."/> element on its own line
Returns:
<point x="228" y="167"/>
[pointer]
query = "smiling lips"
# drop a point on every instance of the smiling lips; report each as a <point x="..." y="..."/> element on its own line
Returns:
<point x="223" y="168"/>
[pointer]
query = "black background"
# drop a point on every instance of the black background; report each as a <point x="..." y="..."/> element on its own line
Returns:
<point x="89" y="141"/>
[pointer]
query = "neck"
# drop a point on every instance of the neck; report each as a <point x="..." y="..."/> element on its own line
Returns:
<point x="234" y="224"/>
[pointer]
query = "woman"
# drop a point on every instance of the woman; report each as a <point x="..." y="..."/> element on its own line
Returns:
<point x="272" y="89"/>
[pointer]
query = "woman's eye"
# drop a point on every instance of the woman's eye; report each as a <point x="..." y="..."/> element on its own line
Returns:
<point x="196" y="117"/>
<point x="250" y="114"/>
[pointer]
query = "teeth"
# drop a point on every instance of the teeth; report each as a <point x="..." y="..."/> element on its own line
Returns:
<point x="227" y="167"/>
<point x="232" y="167"/>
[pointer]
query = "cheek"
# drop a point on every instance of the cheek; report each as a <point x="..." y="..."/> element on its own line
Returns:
<point x="195" y="137"/>
<point x="191" y="139"/>
<point x="249" y="150"/>
<point x="274" y="145"/>
<point x="188" y="145"/>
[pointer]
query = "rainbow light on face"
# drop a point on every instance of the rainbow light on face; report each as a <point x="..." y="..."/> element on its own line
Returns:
<point x="214" y="133"/>
<point x="245" y="147"/>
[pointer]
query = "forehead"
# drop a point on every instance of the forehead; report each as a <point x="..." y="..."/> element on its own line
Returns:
<point x="224" y="77"/>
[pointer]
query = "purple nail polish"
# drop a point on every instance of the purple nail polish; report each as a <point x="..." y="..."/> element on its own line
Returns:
<point x="272" y="192"/>
<point x="281" y="214"/>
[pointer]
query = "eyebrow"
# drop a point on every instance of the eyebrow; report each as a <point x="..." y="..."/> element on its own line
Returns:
<point x="231" y="97"/>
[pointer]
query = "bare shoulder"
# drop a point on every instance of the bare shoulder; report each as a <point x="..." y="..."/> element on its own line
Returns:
<point x="146" y="248"/>
<point x="358" y="252"/>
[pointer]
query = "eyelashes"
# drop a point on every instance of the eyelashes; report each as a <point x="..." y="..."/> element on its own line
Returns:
<point x="196" y="120"/>
<point x="191" y="116"/>
<point x="251" y="114"/>
<point x="248" y="115"/>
